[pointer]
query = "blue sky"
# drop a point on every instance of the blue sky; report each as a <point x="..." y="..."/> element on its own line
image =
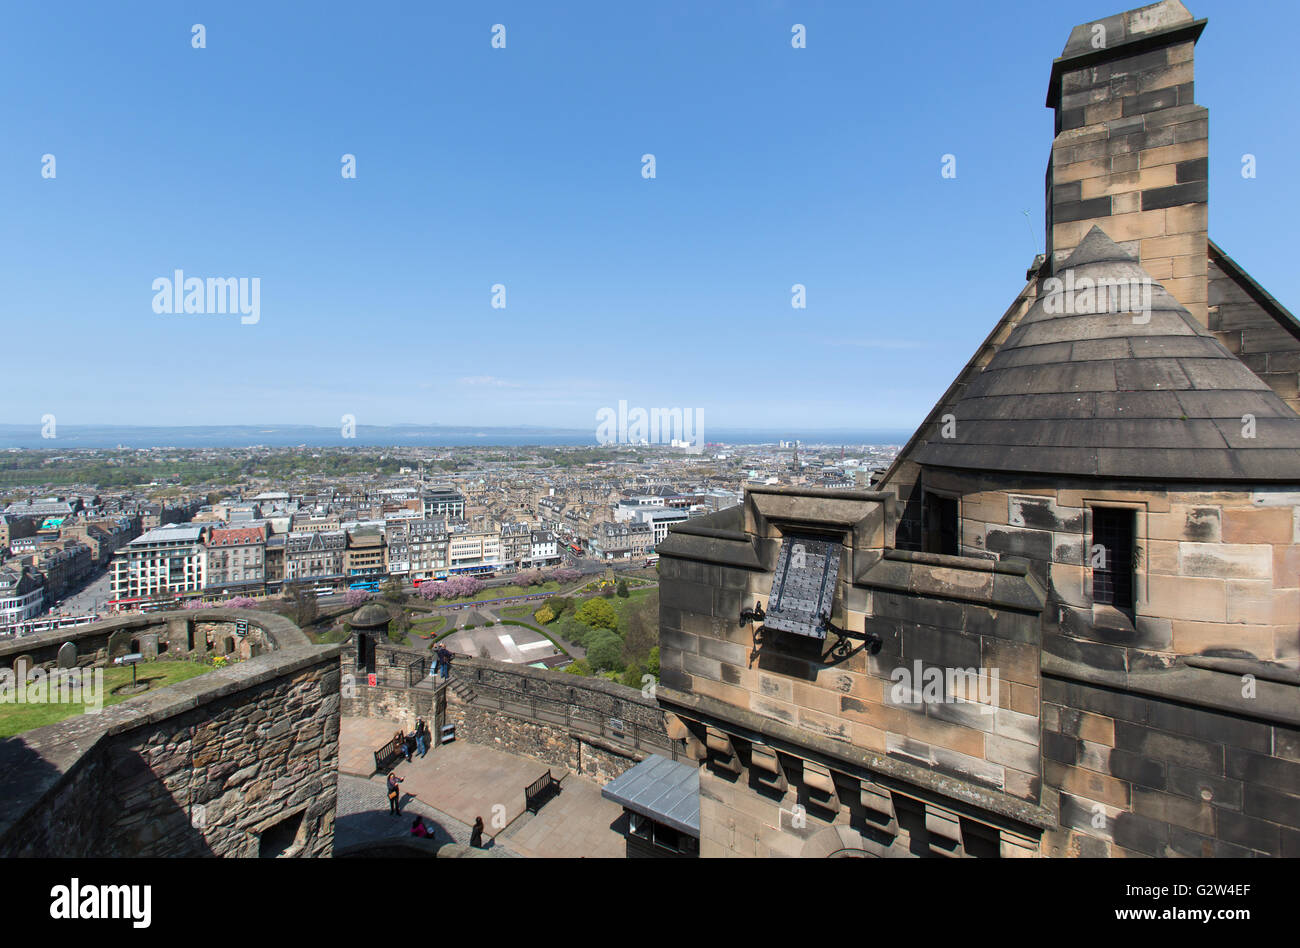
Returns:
<point x="522" y="166"/>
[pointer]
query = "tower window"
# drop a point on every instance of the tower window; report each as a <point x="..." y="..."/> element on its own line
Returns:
<point x="1111" y="556"/>
<point x="941" y="529"/>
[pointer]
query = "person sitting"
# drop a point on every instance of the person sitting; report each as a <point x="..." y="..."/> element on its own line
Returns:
<point x="419" y="829"/>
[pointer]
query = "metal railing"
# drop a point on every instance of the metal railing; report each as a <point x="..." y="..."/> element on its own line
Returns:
<point x="416" y="671"/>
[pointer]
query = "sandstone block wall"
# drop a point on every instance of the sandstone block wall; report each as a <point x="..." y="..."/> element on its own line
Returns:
<point x="1131" y="154"/>
<point x="1217" y="571"/>
<point x="1269" y="343"/>
<point x="1136" y="775"/>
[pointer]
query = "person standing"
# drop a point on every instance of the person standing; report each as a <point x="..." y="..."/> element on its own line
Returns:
<point x="421" y="737"/>
<point x="476" y="835"/>
<point x="446" y="663"/>
<point x="394" y="794"/>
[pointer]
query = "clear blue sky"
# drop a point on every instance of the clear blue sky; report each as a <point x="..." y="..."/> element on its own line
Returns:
<point x="522" y="166"/>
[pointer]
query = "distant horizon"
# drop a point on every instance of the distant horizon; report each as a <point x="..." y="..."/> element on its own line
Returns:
<point x="405" y="435"/>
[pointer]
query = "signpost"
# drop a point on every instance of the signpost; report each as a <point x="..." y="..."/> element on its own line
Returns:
<point x="133" y="659"/>
<point x="241" y="627"/>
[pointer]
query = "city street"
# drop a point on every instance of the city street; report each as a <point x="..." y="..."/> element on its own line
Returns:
<point x="92" y="598"/>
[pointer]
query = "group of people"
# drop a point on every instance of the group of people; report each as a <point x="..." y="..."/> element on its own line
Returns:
<point x="442" y="661"/>
<point x="421" y="831"/>
<point x="417" y="742"/>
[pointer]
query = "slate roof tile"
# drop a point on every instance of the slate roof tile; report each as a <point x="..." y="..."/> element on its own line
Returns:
<point x="1118" y="395"/>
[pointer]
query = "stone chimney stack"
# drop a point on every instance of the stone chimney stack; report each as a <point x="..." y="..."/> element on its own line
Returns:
<point x="1131" y="147"/>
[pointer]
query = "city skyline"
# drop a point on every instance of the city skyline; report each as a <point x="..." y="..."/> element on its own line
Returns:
<point x="479" y="167"/>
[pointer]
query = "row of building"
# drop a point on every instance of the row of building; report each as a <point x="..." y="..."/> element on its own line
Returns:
<point x="50" y="547"/>
<point x="198" y="557"/>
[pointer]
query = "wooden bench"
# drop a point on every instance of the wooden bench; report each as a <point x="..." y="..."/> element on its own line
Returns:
<point x="539" y="791"/>
<point x="386" y="758"/>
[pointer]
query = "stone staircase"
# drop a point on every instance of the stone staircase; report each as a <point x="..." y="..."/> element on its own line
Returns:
<point x="463" y="692"/>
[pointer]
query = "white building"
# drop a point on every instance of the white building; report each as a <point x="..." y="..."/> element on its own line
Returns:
<point x="660" y="519"/>
<point x="22" y="596"/>
<point x="546" y="548"/>
<point x="170" y="559"/>
<point x="474" y="551"/>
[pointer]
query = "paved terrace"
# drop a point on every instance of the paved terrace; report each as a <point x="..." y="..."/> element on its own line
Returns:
<point x="457" y="782"/>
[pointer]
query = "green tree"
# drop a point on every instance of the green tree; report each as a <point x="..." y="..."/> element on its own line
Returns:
<point x="652" y="662"/>
<point x="572" y="630"/>
<point x="399" y="623"/>
<point x="303" y="604"/>
<point x="393" y="590"/>
<point x="641" y="626"/>
<point x="632" y="675"/>
<point x="605" y="650"/>
<point x="622" y="589"/>
<point x="598" y="614"/>
<point x="578" y="667"/>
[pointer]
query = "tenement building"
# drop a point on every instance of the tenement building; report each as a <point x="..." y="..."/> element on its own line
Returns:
<point x="166" y="560"/>
<point x="1067" y="620"/>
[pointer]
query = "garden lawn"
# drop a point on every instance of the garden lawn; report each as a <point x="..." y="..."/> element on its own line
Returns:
<point x="427" y="627"/>
<point x="17" y="718"/>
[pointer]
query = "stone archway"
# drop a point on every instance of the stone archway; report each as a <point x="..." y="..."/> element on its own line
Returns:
<point x="842" y="842"/>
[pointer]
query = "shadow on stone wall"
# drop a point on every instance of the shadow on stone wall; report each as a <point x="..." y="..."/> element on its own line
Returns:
<point x="79" y="813"/>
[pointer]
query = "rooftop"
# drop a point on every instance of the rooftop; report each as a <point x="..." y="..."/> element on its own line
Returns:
<point x="1095" y="393"/>
<point x="666" y="791"/>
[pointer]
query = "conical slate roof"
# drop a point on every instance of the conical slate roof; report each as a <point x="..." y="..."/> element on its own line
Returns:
<point x="1079" y="390"/>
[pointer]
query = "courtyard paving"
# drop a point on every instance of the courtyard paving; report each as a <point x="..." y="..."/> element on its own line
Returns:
<point x="457" y="782"/>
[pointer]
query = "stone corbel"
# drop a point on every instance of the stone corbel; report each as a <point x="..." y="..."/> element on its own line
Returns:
<point x="1015" y="846"/>
<point x="820" y="785"/>
<point x="722" y="753"/>
<point x="765" y="767"/>
<point x="944" y="827"/>
<point x="878" y="799"/>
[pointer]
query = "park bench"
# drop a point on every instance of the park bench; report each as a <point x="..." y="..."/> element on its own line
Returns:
<point x="539" y="791"/>
<point x="386" y="758"/>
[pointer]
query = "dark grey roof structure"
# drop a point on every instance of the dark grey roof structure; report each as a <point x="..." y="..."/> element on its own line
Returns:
<point x="666" y="791"/>
<point x="1081" y="389"/>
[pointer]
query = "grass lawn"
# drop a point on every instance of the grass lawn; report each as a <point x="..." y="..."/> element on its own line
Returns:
<point x="17" y="718"/>
<point x="633" y="596"/>
<point x="519" y="612"/>
<point x="426" y="627"/>
<point x="335" y="634"/>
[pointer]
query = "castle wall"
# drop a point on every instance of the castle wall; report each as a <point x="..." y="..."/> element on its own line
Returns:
<point x="1137" y="775"/>
<point x="209" y="766"/>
